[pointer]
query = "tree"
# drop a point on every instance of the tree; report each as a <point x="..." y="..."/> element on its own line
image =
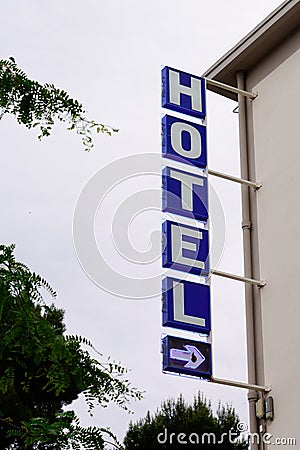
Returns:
<point x="43" y="370"/>
<point x="36" y="105"/>
<point x="178" y="425"/>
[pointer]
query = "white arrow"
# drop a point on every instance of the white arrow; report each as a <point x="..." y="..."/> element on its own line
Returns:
<point x="192" y="355"/>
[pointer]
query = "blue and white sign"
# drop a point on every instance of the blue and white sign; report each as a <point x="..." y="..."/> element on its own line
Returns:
<point x="186" y="305"/>
<point x="183" y="92"/>
<point x="184" y="141"/>
<point x="185" y="194"/>
<point x="187" y="357"/>
<point x="185" y="248"/>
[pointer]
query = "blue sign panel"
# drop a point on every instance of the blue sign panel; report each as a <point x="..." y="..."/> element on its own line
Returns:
<point x="183" y="92"/>
<point x="187" y="357"/>
<point x="185" y="248"/>
<point x="184" y="141"/>
<point x="186" y="305"/>
<point x="185" y="194"/>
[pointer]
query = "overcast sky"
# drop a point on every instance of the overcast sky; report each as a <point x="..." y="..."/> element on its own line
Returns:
<point x="109" y="56"/>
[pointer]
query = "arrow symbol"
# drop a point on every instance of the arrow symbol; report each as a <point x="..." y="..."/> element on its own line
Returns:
<point x="192" y="355"/>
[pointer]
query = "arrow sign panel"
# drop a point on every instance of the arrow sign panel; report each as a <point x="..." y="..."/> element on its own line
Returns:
<point x="187" y="357"/>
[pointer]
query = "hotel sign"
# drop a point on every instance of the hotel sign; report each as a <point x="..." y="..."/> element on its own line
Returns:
<point x="186" y="304"/>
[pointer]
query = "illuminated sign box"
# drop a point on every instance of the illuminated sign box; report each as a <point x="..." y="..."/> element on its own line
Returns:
<point x="185" y="194"/>
<point x="183" y="92"/>
<point x="184" y="141"/>
<point x="186" y="248"/>
<point x="186" y="305"/>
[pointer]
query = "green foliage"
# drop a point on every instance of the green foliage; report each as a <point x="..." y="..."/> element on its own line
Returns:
<point x="65" y="431"/>
<point x="42" y="370"/>
<point x="176" y="416"/>
<point x="36" y="105"/>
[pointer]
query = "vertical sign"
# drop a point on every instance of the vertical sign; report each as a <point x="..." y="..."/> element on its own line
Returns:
<point x="186" y="304"/>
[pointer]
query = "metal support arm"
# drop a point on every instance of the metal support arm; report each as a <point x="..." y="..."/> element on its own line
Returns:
<point x="239" y="384"/>
<point x="258" y="283"/>
<point x="226" y="87"/>
<point x="254" y="185"/>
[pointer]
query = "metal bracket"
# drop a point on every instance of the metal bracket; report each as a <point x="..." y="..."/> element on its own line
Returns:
<point x="246" y="225"/>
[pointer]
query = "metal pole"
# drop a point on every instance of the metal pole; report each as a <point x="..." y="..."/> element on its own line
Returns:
<point x="226" y="87"/>
<point x="237" y="180"/>
<point x="239" y="384"/>
<point x="257" y="300"/>
<point x="252" y="395"/>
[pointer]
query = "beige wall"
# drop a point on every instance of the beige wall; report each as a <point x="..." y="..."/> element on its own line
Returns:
<point x="276" y="143"/>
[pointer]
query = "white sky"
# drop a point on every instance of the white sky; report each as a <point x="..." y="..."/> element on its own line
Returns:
<point x="109" y="56"/>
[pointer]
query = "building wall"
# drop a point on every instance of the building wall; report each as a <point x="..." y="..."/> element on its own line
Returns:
<point x="275" y="124"/>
